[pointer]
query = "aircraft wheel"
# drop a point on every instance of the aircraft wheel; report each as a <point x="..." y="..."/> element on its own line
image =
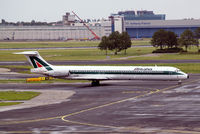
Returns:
<point x="95" y="83"/>
<point x="179" y="82"/>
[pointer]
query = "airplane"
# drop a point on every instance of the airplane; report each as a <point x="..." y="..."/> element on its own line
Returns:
<point x="100" y="73"/>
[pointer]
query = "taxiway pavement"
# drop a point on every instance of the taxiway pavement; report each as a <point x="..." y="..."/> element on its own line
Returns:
<point x="114" y="107"/>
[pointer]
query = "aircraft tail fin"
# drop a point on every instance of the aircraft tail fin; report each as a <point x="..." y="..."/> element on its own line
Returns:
<point x="36" y="60"/>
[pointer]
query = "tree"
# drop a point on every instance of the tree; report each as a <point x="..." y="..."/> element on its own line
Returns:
<point x="162" y="39"/>
<point x="33" y="22"/>
<point x="159" y="39"/>
<point x="197" y="33"/>
<point x="197" y="36"/>
<point x="171" y="39"/>
<point x="3" y="21"/>
<point x="115" y="42"/>
<point x="126" y="41"/>
<point x="103" y="45"/>
<point x="187" y="39"/>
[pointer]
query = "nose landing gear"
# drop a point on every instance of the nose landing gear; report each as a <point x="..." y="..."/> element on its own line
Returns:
<point x="179" y="82"/>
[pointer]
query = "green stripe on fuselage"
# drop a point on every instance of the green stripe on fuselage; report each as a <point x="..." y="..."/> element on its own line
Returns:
<point x="125" y="72"/>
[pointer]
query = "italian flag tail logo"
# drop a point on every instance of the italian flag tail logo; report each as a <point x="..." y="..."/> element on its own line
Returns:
<point x="37" y="63"/>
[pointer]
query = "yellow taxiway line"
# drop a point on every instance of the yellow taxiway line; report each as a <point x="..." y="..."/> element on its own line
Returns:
<point x="102" y="106"/>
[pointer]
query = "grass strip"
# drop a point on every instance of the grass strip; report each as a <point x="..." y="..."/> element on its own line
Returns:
<point x="9" y="103"/>
<point x="13" y="81"/>
<point x="74" y="54"/>
<point x="18" y="68"/>
<point x="46" y="81"/>
<point x="96" y="54"/>
<point x="51" y="44"/>
<point x="17" y="95"/>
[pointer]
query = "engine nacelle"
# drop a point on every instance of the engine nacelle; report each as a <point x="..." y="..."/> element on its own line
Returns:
<point x="40" y="70"/>
<point x="58" y="73"/>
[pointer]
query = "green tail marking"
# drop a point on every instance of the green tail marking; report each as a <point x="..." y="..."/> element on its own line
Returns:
<point x="33" y="59"/>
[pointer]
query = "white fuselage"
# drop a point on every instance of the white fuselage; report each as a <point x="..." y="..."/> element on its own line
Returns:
<point x="114" y="72"/>
<point x="98" y="73"/>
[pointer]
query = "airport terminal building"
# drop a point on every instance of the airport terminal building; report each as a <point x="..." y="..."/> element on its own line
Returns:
<point x="138" y="24"/>
<point x="146" y="28"/>
<point x="143" y="24"/>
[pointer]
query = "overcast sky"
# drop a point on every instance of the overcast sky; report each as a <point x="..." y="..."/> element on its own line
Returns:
<point x="52" y="10"/>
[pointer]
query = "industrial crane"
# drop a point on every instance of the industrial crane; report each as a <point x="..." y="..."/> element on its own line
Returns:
<point x="95" y="36"/>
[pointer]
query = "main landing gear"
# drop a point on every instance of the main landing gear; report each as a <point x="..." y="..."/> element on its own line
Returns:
<point x="95" y="83"/>
<point x="179" y="82"/>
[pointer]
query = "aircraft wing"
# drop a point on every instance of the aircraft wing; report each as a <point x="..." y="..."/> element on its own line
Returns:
<point x="94" y="77"/>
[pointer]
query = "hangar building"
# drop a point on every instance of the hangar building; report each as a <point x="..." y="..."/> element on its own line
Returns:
<point x="146" y="28"/>
<point x="63" y="32"/>
<point x="138" y="24"/>
<point x="143" y="24"/>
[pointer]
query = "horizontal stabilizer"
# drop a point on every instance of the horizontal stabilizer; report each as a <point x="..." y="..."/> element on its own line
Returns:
<point x="36" y="60"/>
<point x="29" y="53"/>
